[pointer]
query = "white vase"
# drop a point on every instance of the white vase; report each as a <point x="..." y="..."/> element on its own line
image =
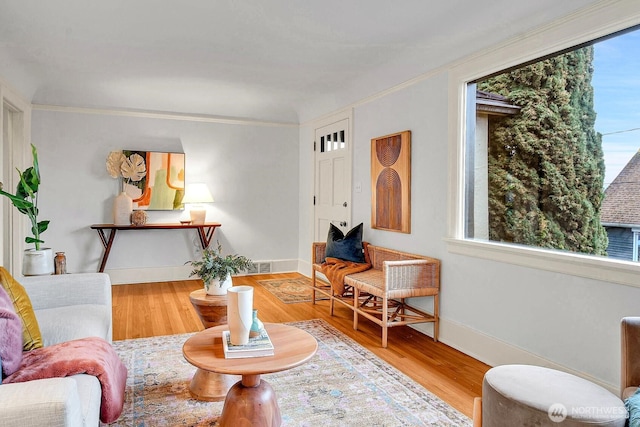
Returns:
<point x="122" y="208"/>
<point x="239" y="313"/>
<point x="37" y="262"/>
<point x="217" y="287"/>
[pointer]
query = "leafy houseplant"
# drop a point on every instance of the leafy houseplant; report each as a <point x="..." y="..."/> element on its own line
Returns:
<point x="213" y="266"/>
<point x="26" y="199"/>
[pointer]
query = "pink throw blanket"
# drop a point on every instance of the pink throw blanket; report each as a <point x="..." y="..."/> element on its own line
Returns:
<point x="93" y="356"/>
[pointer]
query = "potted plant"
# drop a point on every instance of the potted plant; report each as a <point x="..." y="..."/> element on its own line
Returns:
<point x="215" y="270"/>
<point x="36" y="261"/>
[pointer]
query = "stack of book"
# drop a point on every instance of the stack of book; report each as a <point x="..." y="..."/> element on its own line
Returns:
<point x="259" y="346"/>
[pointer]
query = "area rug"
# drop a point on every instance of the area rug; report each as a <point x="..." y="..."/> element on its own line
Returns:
<point x="344" y="384"/>
<point x="291" y="291"/>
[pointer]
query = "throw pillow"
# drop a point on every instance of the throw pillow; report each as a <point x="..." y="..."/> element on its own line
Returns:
<point x="31" y="336"/>
<point x="10" y="335"/>
<point x="345" y="247"/>
<point x="633" y="408"/>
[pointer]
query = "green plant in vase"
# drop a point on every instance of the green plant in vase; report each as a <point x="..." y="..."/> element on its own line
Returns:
<point x="216" y="269"/>
<point x="26" y="199"/>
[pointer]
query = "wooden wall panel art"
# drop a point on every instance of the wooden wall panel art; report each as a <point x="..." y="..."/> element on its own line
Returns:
<point x="391" y="182"/>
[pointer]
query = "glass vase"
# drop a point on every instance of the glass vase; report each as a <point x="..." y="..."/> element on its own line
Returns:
<point x="256" y="325"/>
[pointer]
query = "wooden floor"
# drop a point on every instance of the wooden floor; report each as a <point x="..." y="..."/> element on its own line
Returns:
<point x="163" y="308"/>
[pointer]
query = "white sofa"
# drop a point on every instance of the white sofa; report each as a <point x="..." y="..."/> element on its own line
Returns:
<point x="67" y="307"/>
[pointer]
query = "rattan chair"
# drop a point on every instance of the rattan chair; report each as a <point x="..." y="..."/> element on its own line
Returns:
<point x="322" y="289"/>
<point x="394" y="278"/>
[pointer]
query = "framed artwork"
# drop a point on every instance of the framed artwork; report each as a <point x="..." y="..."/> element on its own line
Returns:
<point x="154" y="180"/>
<point x="391" y="182"/>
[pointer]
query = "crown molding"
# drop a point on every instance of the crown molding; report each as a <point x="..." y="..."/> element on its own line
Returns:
<point x="203" y="118"/>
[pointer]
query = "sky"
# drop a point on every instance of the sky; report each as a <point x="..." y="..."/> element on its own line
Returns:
<point x="616" y="82"/>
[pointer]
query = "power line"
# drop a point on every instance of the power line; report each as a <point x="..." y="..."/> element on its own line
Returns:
<point x="621" y="131"/>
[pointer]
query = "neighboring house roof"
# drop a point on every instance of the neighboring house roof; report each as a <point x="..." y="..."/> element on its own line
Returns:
<point x="494" y="104"/>
<point x="621" y="204"/>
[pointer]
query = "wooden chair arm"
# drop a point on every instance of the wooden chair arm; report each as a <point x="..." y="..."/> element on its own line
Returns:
<point x="318" y="251"/>
<point x="411" y="274"/>
<point x="630" y="363"/>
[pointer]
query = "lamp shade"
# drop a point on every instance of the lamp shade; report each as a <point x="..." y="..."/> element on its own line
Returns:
<point x="197" y="192"/>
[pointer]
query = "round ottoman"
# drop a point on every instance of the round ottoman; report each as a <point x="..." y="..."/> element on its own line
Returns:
<point x="525" y="395"/>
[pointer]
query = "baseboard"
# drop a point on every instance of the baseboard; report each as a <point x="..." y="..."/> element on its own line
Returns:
<point x="121" y="276"/>
<point x="494" y="352"/>
<point x="161" y="274"/>
<point x="304" y="268"/>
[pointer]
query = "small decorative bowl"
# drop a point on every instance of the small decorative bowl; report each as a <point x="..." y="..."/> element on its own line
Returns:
<point x="138" y="218"/>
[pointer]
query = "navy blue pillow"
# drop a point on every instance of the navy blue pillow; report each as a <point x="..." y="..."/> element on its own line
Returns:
<point x="346" y="248"/>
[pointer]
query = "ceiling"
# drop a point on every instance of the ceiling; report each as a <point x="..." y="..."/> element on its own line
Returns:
<point x="274" y="60"/>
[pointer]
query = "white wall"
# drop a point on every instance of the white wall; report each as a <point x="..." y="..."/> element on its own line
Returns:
<point x="252" y="172"/>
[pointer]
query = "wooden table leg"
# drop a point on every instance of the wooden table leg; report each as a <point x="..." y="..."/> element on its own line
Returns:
<point x="210" y="386"/>
<point x="206" y="233"/>
<point x="107" y="243"/>
<point x="251" y="402"/>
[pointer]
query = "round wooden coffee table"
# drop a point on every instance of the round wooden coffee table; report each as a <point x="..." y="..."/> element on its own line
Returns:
<point x="251" y="401"/>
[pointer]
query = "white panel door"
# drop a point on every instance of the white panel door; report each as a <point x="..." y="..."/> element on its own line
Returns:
<point x="332" y="178"/>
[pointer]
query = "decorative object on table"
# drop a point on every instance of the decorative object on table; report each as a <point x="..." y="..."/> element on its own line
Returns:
<point x="122" y="208"/>
<point x="196" y="194"/>
<point x="138" y="218"/>
<point x="35" y="261"/>
<point x="239" y="313"/>
<point x="122" y="203"/>
<point x="391" y="182"/>
<point x="257" y="327"/>
<point x="60" y="262"/>
<point x="215" y="270"/>
<point x="258" y="346"/>
<point x="153" y="180"/>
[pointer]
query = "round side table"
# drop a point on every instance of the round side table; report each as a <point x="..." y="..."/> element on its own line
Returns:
<point x="212" y="309"/>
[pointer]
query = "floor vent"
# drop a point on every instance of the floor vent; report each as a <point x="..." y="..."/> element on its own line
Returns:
<point x="259" y="268"/>
<point x="265" y="267"/>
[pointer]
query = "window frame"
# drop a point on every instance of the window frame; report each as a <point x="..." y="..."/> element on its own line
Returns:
<point x="591" y="23"/>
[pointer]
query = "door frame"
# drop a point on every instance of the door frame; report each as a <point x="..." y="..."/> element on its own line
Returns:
<point x="320" y="123"/>
<point x="14" y="143"/>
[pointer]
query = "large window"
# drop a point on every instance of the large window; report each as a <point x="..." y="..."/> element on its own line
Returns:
<point x="539" y="148"/>
<point x="537" y="169"/>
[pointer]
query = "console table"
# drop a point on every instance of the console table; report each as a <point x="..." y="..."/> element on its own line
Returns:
<point x="205" y="232"/>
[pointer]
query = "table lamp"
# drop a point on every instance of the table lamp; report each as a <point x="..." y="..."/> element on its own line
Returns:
<point x="196" y="194"/>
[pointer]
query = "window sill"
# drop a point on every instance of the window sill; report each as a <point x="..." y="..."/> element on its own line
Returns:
<point x="597" y="268"/>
